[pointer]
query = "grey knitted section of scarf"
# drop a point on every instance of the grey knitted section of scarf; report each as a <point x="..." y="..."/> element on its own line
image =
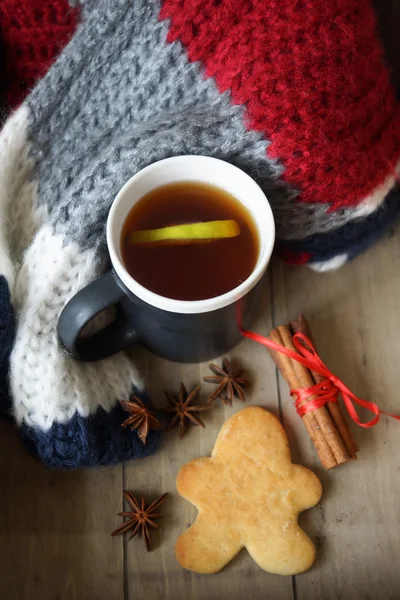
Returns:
<point x="120" y="98"/>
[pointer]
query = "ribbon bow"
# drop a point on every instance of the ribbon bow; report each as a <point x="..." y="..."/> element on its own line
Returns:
<point x="327" y="390"/>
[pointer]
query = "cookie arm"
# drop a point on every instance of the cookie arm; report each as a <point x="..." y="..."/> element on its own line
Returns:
<point x="307" y="488"/>
<point x="195" y="478"/>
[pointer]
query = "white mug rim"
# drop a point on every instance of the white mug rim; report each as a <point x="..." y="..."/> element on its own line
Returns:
<point x="188" y="306"/>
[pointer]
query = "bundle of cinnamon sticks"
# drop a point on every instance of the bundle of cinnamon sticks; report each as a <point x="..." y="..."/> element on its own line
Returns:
<point x="326" y="425"/>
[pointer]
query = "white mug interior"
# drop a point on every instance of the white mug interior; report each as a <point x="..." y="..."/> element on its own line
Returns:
<point x="192" y="168"/>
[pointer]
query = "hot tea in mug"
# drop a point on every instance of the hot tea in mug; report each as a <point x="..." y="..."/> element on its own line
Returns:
<point x="177" y="265"/>
<point x="189" y="239"/>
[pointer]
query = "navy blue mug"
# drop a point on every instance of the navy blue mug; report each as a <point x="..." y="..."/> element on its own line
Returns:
<point x="178" y="330"/>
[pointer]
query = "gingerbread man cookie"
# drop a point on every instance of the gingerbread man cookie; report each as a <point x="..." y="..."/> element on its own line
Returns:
<point x="248" y="494"/>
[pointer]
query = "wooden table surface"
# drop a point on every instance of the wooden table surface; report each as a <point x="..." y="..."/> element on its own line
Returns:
<point x="55" y="526"/>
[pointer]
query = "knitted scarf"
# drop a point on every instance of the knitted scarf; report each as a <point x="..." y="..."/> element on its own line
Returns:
<point x="294" y="92"/>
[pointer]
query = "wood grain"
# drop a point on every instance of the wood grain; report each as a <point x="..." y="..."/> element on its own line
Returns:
<point x="55" y="529"/>
<point x="158" y="574"/>
<point x="55" y="526"/>
<point x="353" y="314"/>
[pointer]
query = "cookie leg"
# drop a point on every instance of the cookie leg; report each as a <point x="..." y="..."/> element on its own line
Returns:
<point x="205" y="547"/>
<point x="285" y="552"/>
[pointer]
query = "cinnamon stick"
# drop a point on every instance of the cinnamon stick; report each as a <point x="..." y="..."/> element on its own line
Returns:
<point x="285" y="366"/>
<point x="319" y="423"/>
<point x="302" y="326"/>
<point x="322" y="416"/>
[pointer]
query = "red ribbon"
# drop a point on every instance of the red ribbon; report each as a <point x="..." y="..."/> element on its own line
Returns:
<point x="326" y="391"/>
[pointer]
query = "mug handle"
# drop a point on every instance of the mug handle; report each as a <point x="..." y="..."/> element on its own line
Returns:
<point x="82" y="308"/>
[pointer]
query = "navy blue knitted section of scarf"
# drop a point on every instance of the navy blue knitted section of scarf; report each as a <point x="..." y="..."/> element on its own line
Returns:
<point x="97" y="439"/>
<point x="89" y="441"/>
<point x="337" y="240"/>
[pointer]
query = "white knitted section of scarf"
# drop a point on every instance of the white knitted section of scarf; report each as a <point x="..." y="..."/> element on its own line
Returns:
<point x="47" y="385"/>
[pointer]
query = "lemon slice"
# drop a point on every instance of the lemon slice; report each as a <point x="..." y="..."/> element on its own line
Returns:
<point x="190" y="233"/>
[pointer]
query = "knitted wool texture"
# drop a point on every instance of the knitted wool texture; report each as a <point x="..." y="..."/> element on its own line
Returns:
<point x="296" y="93"/>
<point x="32" y="33"/>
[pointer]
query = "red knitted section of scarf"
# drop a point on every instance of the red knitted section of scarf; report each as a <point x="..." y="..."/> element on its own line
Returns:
<point x="312" y="76"/>
<point x="32" y="33"/>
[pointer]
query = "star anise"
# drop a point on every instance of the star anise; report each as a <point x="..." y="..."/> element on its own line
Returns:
<point x="230" y="383"/>
<point x="183" y="410"/>
<point x="140" y="519"/>
<point x="141" y="419"/>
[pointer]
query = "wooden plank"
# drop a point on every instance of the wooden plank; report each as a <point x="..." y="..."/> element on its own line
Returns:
<point x="354" y="315"/>
<point x="152" y="575"/>
<point x="55" y="529"/>
<point x="157" y="574"/>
